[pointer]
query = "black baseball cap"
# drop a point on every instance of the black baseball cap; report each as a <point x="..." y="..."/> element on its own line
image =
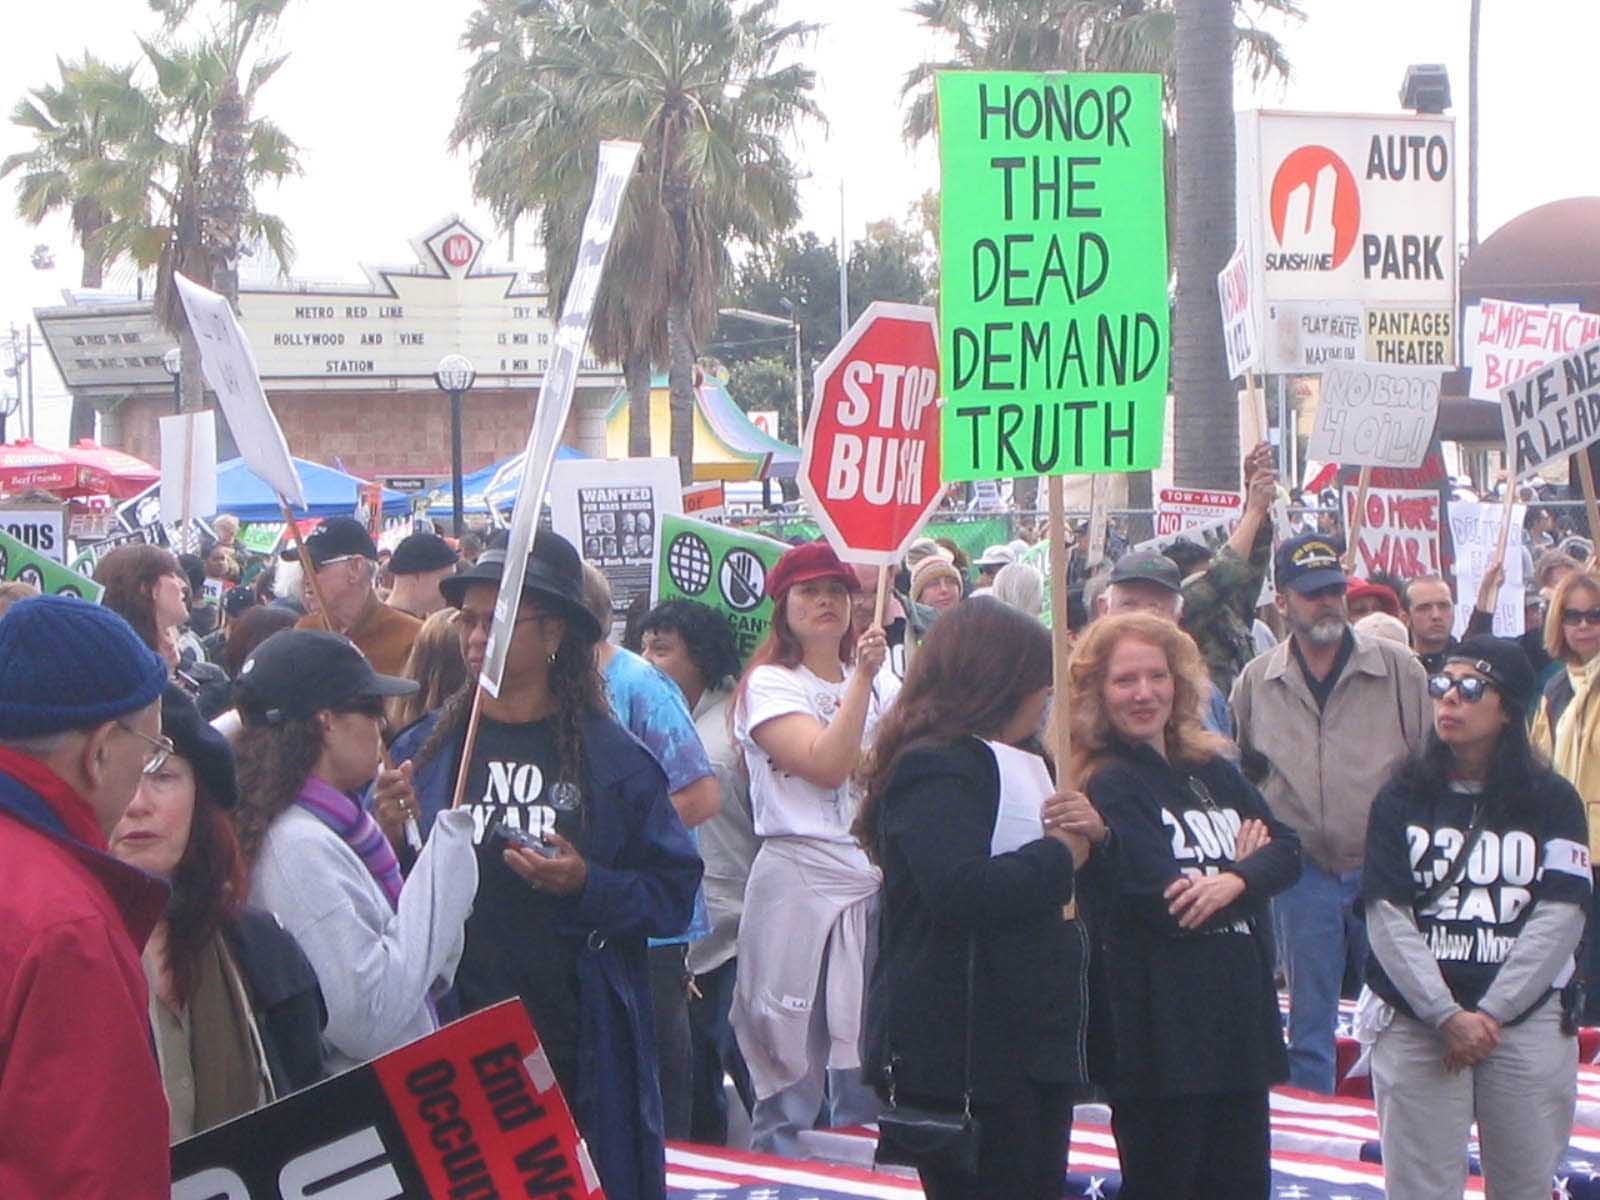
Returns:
<point x="1147" y="566"/>
<point x="298" y="672"/>
<point x="420" y="552"/>
<point x="337" y="537"/>
<point x="1502" y="662"/>
<point x="1309" y="563"/>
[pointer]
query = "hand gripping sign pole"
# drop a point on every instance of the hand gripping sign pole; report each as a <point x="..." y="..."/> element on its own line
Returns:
<point x="616" y="162"/>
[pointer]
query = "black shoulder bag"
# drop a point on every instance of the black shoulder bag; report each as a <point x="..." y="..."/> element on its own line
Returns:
<point x="909" y="1136"/>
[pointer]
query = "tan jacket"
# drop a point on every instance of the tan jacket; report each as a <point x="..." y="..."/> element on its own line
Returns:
<point x="1324" y="769"/>
<point x="1581" y="767"/>
<point x="382" y="633"/>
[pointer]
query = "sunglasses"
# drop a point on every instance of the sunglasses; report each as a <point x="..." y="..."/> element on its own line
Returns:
<point x="1471" y="687"/>
<point x="1581" y="616"/>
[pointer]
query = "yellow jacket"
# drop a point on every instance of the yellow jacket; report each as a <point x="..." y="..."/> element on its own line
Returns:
<point x="1573" y="746"/>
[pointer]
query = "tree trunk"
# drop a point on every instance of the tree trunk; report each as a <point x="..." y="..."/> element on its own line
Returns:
<point x="680" y="383"/>
<point x="225" y="195"/>
<point x="1206" y="441"/>
<point x="636" y="378"/>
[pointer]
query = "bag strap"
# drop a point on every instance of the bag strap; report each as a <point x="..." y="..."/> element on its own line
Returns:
<point x="1458" y="868"/>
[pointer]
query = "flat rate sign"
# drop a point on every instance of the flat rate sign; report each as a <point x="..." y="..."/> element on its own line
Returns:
<point x="1053" y="306"/>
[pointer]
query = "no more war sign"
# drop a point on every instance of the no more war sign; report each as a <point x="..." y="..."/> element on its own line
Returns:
<point x="870" y="466"/>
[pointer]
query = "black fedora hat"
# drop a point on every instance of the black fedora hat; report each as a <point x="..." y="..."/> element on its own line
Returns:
<point x="554" y="577"/>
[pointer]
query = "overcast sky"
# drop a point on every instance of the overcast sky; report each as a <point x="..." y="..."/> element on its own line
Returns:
<point x="371" y="86"/>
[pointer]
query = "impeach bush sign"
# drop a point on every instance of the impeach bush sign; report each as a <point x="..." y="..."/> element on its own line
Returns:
<point x="1053" y="307"/>
<point x="722" y="569"/>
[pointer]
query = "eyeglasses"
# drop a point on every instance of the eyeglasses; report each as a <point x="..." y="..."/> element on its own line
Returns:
<point x="161" y="749"/>
<point x="469" y="622"/>
<point x="1581" y="616"/>
<point x="1471" y="687"/>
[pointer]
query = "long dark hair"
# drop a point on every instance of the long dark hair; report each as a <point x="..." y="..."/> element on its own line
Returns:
<point x="208" y="889"/>
<point x="128" y="573"/>
<point x="1514" y="769"/>
<point x="575" y="686"/>
<point x="275" y="760"/>
<point x="981" y="660"/>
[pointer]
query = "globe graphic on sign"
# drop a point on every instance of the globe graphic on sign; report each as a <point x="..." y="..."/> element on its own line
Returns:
<point x="689" y="564"/>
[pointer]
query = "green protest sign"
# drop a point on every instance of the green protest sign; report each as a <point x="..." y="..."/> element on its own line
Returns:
<point x="1053" y="303"/>
<point x="721" y="568"/>
<point x="260" y="537"/>
<point x="20" y="563"/>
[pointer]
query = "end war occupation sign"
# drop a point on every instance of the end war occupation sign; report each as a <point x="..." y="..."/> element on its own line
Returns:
<point x="1053" y="306"/>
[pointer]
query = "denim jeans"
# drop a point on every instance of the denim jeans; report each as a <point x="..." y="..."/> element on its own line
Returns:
<point x="1317" y="928"/>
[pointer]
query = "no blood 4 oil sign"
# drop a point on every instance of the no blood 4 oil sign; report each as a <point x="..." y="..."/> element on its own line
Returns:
<point x="870" y="465"/>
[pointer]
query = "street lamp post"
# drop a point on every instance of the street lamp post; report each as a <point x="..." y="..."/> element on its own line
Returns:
<point x="172" y="362"/>
<point x="455" y="376"/>
<point x="9" y="403"/>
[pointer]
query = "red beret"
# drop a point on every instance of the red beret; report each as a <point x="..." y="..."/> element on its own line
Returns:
<point x="812" y="560"/>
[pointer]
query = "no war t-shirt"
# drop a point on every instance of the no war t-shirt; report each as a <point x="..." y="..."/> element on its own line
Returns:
<point x="512" y="944"/>
<point x="1534" y="847"/>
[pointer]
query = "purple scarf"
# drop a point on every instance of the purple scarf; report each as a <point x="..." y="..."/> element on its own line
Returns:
<point x="359" y="831"/>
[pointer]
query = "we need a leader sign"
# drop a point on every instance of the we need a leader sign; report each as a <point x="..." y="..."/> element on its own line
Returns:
<point x="1053" y="304"/>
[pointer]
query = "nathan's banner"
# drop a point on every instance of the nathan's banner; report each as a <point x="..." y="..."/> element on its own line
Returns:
<point x="1350" y="224"/>
<point x="1178" y="509"/>
<point x="721" y="568"/>
<point x="1375" y="416"/>
<point x="1241" y="332"/>
<point x="19" y="562"/>
<point x="1053" y="303"/>
<point x="870" y="467"/>
<point x="472" y="1110"/>
<point x="1475" y="533"/>
<point x="1554" y="411"/>
<point x="42" y="528"/>
<point x="1506" y="340"/>
<point x="1399" y="531"/>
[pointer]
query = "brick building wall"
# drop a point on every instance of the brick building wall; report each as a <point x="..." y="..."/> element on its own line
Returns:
<point x="381" y="433"/>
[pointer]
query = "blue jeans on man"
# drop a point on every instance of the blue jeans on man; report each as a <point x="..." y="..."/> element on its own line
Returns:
<point x="1318" y="929"/>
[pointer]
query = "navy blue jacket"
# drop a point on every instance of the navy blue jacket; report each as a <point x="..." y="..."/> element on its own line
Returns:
<point x="642" y="874"/>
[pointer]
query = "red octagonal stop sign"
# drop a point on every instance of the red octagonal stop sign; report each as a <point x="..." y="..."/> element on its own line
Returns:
<point x="870" y="465"/>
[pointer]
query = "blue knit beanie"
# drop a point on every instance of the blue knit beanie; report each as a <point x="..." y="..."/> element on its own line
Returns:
<point x="68" y="664"/>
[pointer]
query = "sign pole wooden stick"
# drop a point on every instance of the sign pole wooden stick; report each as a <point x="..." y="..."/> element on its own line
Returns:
<point x="467" y="747"/>
<point x="883" y="597"/>
<point x="1357" y="520"/>
<point x="187" y="519"/>
<point x="293" y="531"/>
<point x="1060" y="734"/>
<point x="1586" y="477"/>
<point x="1257" y="400"/>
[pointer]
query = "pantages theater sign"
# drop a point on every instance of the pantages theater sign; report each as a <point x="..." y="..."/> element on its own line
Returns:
<point x="310" y="336"/>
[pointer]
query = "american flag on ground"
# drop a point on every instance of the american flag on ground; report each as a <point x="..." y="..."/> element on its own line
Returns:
<point x="1323" y="1148"/>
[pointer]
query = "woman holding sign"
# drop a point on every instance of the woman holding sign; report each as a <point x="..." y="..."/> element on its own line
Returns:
<point x="975" y="996"/>
<point x="805" y="708"/>
<point x="1185" y="1034"/>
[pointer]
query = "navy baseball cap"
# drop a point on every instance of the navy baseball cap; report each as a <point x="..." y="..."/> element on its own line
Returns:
<point x="1309" y="563"/>
<point x="337" y="537"/>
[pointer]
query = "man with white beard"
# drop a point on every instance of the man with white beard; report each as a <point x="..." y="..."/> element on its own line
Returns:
<point x="1322" y="720"/>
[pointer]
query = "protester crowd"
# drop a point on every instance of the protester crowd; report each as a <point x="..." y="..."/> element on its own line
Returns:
<point x="842" y="881"/>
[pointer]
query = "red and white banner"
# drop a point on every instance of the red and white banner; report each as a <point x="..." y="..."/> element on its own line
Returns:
<point x="1241" y="330"/>
<point x="1399" y="533"/>
<point x="472" y="1110"/>
<point x="869" y="469"/>
<point x="1190" y="508"/>
<point x="1506" y="340"/>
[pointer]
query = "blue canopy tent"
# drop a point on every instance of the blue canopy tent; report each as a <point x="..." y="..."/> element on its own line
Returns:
<point x="441" y="504"/>
<point x="328" y="492"/>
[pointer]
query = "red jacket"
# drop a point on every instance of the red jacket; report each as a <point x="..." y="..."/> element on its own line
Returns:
<point x="82" y="1112"/>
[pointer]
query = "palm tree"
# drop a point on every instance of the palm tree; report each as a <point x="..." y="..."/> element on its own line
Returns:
<point x="1133" y="35"/>
<point x="699" y="85"/>
<point x="75" y="124"/>
<point x="181" y="194"/>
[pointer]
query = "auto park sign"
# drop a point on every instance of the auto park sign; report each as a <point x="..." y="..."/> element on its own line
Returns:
<point x="869" y="468"/>
<point x="1349" y="221"/>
